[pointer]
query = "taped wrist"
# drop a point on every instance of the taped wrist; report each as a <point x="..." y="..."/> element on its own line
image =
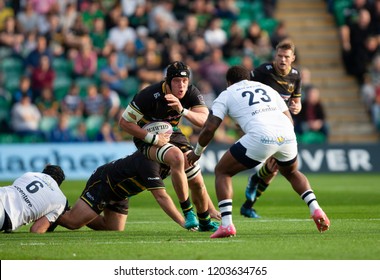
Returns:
<point x="199" y="149"/>
<point x="184" y="112"/>
<point x="151" y="138"/>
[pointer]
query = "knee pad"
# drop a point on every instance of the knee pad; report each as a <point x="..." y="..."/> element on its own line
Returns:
<point x="161" y="152"/>
<point x="192" y="171"/>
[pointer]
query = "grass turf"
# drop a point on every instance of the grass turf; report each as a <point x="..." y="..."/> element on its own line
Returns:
<point x="284" y="231"/>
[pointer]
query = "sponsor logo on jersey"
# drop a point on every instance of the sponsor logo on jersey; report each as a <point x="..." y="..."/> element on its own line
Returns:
<point x="153" y="178"/>
<point x="279" y="140"/>
<point x="291" y="87"/>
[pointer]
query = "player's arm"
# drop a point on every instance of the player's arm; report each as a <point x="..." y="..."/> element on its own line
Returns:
<point x="128" y="122"/>
<point x="167" y="204"/>
<point x="205" y="136"/>
<point x="197" y="116"/>
<point x="40" y="226"/>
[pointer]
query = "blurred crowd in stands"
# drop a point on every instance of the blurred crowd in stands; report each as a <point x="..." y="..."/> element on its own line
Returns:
<point x="69" y="67"/>
<point x="359" y="28"/>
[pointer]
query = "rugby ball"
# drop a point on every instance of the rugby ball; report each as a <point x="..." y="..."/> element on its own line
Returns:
<point x="159" y="127"/>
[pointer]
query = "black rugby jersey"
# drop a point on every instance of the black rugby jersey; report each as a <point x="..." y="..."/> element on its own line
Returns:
<point x="288" y="86"/>
<point x="152" y="104"/>
<point x="130" y="175"/>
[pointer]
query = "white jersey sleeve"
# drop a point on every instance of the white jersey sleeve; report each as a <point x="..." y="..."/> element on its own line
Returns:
<point x="32" y="196"/>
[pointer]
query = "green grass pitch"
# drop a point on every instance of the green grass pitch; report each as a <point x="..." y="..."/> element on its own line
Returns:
<point x="284" y="231"/>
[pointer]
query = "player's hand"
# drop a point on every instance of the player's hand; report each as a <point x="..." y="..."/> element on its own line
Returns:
<point x="192" y="158"/>
<point x="272" y="165"/>
<point x="294" y="107"/>
<point x="215" y="215"/>
<point x="174" y="102"/>
<point x="163" y="138"/>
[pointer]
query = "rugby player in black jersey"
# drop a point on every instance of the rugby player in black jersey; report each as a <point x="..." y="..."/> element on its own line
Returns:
<point x="286" y="80"/>
<point x="109" y="188"/>
<point x="170" y="100"/>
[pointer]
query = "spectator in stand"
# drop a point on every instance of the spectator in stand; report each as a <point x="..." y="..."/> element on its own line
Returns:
<point x="376" y="112"/>
<point x="269" y="7"/>
<point x="279" y="34"/>
<point x="106" y="133"/>
<point x="42" y="76"/>
<point x="356" y="56"/>
<point x="62" y="132"/>
<point x="373" y="82"/>
<point x="67" y="18"/>
<point x="306" y="81"/>
<point x="43" y="7"/>
<point x="197" y="51"/>
<point x="27" y="19"/>
<point x="226" y="9"/>
<point x="47" y="104"/>
<point x="25" y="117"/>
<point x="368" y="92"/>
<point x="113" y="16"/>
<point x="80" y="133"/>
<point x="114" y="75"/>
<point x="5" y="12"/>
<point x="140" y="17"/>
<point x="203" y="10"/>
<point x="141" y="40"/>
<point x="85" y="61"/>
<point x="253" y="44"/>
<point x="73" y="38"/>
<point x="93" y="102"/>
<point x="150" y="70"/>
<point x="10" y="38"/>
<point x="23" y="89"/>
<point x="29" y="44"/>
<point x="312" y="116"/>
<point x="72" y="103"/>
<point x="235" y="44"/>
<point x="162" y="10"/>
<point x="119" y="35"/>
<point x="213" y="68"/>
<point x="55" y="34"/>
<point x="128" y="58"/>
<point x="248" y="62"/>
<point x="91" y="13"/>
<point x="33" y="60"/>
<point x="129" y="7"/>
<point x="214" y="35"/>
<point x="98" y="35"/>
<point x="161" y="34"/>
<point x="111" y="102"/>
<point x="189" y="31"/>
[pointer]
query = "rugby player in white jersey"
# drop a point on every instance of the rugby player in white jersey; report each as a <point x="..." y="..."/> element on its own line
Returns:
<point x="265" y="119"/>
<point x="36" y="198"/>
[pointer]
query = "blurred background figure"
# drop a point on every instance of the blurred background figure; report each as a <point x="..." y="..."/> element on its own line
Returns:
<point x="312" y="117"/>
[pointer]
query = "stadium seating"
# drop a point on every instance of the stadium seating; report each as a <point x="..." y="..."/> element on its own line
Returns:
<point x="47" y="124"/>
<point x="93" y="125"/>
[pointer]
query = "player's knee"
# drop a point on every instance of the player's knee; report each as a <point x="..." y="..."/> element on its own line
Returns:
<point x="174" y="158"/>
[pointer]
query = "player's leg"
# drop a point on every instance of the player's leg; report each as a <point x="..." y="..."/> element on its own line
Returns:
<point x="301" y="185"/>
<point x="227" y="167"/>
<point x="202" y="201"/>
<point x="110" y="221"/>
<point x="257" y="184"/>
<point x="78" y="216"/>
<point x="174" y="158"/>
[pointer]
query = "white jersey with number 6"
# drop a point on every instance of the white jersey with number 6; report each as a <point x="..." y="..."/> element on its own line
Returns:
<point x="30" y="197"/>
